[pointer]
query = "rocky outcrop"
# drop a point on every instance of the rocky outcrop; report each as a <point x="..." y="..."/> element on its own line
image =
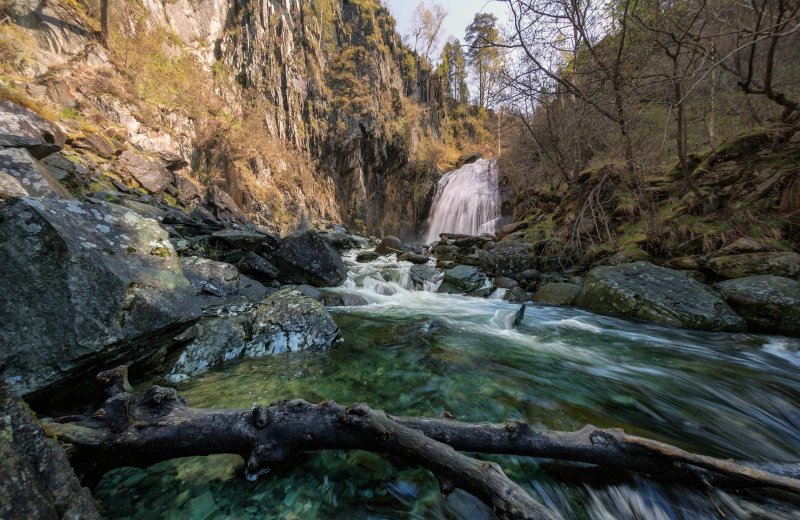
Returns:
<point x="22" y="128"/>
<point x="768" y="303"/>
<point x="84" y="285"/>
<point x="287" y="321"/>
<point x="31" y="175"/>
<point x="647" y="292"/>
<point x="462" y="279"/>
<point x="305" y="258"/>
<point x="557" y="293"/>
<point x="786" y="264"/>
<point x="36" y="480"/>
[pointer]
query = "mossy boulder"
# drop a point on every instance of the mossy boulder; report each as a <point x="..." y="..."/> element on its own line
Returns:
<point x="768" y="303"/>
<point x="647" y="292"/>
<point x="786" y="264"/>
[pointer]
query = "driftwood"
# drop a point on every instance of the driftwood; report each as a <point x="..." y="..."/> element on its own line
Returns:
<point x="140" y="430"/>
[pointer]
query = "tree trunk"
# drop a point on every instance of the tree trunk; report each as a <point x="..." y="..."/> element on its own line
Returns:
<point x="140" y="430"/>
<point x="104" y="21"/>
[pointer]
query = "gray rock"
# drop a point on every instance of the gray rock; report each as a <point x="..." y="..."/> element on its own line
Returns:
<point x="462" y="279"/>
<point x="743" y="245"/>
<point x="305" y="258"/>
<point x="768" y="303"/>
<point x="510" y="258"/>
<point x="258" y="268"/>
<point x="220" y="288"/>
<point x="517" y="295"/>
<point x="341" y="299"/>
<point x="445" y="264"/>
<point x="389" y="245"/>
<point x="422" y="275"/>
<point x="62" y="168"/>
<point x="22" y="128"/>
<point x="414" y="258"/>
<point x="223" y="207"/>
<point x="519" y="316"/>
<point x="342" y="241"/>
<point x="785" y="264"/>
<point x="151" y="175"/>
<point x="555" y="293"/>
<point x="286" y="321"/>
<point x="505" y="283"/>
<point x="310" y="292"/>
<point x="36" y="480"/>
<point x="367" y="256"/>
<point x="644" y="291"/>
<point x="31" y="175"/>
<point x="11" y="188"/>
<point x="85" y="285"/>
<point x="510" y="228"/>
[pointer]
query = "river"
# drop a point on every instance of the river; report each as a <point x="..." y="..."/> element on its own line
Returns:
<point x="421" y="353"/>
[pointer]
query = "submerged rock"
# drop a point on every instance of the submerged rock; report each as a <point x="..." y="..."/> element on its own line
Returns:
<point x="422" y="275"/>
<point x="462" y="279"/>
<point x="84" y="285"/>
<point x="644" y="291"/>
<point x="785" y="264"/>
<point x="305" y="258"/>
<point x="768" y="303"/>
<point x="36" y="480"/>
<point x="286" y="321"/>
<point x="557" y="293"/>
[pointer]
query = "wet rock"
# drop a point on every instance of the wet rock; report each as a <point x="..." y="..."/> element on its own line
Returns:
<point x="389" y="245"/>
<point x="505" y="283"/>
<point x="310" y="292"/>
<point x="286" y="321"/>
<point x="422" y="276"/>
<point x="469" y="158"/>
<point x="31" y="175"/>
<point x="151" y="175"/>
<point x="414" y="258"/>
<point x="768" y="303"/>
<point x="258" y="268"/>
<point x="36" y="480"/>
<point x="219" y="286"/>
<point x="462" y="279"/>
<point x="519" y="316"/>
<point x="445" y="264"/>
<point x="22" y="128"/>
<point x="785" y="264"/>
<point x="647" y="292"/>
<point x="512" y="257"/>
<point x="509" y="229"/>
<point x="517" y="295"/>
<point x="305" y="258"/>
<point x="447" y="253"/>
<point x="114" y="288"/>
<point x="483" y="292"/>
<point x="342" y="241"/>
<point x="367" y="256"/>
<point x="343" y="299"/>
<point x="555" y="293"/>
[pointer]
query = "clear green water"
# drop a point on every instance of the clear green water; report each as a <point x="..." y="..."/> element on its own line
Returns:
<point x="416" y="353"/>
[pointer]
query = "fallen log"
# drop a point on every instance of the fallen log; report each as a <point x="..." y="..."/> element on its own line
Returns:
<point x="139" y="430"/>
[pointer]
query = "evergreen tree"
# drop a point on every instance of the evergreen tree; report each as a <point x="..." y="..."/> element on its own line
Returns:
<point x="483" y="54"/>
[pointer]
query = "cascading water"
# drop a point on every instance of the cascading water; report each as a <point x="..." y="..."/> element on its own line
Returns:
<point x="467" y="201"/>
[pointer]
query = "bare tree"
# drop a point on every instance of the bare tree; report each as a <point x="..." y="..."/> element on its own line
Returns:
<point x="426" y="29"/>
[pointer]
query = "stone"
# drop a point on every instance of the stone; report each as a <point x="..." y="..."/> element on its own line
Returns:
<point x="367" y="256"/>
<point x="517" y="295"/>
<point x="425" y="277"/>
<point x="31" y="175"/>
<point x="684" y="263"/>
<point x="414" y="258"/>
<point x="227" y="239"/>
<point x="23" y="128"/>
<point x="445" y="264"/>
<point x="223" y="207"/>
<point x="84" y="286"/>
<point x="342" y="241"/>
<point x="510" y="228"/>
<point x="505" y="283"/>
<point x="344" y="299"/>
<point x="62" y="168"/>
<point x="258" y="268"/>
<point x="785" y="264"/>
<point x="185" y="191"/>
<point x="219" y="287"/>
<point x="469" y="158"/>
<point x="311" y="292"/>
<point x="555" y="293"/>
<point x="99" y="144"/>
<point x="305" y="258"/>
<point x="768" y="303"/>
<point x="11" y="188"/>
<point x="462" y="279"/>
<point x="36" y="480"/>
<point x="286" y="321"/>
<point x="644" y="291"/>
<point x="528" y="275"/>
<point x="743" y="245"/>
<point x="512" y="257"/>
<point x="389" y="245"/>
<point x="519" y="316"/>
<point x="151" y="175"/>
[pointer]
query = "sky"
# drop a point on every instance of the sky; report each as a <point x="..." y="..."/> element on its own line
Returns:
<point x="459" y="13"/>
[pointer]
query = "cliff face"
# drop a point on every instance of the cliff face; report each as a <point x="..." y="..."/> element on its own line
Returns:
<point x="296" y="108"/>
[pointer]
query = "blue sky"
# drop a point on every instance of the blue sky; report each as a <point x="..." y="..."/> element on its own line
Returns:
<point x="459" y="13"/>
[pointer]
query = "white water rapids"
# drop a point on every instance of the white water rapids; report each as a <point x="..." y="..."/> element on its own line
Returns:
<point x="467" y="201"/>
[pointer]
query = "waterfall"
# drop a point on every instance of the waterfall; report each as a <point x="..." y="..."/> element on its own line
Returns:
<point x="467" y="201"/>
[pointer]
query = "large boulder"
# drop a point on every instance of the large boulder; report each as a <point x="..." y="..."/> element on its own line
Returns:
<point x="219" y="288"/>
<point x="462" y="279"/>
<point x="424" y="277"/>
<point x="150" y="174"/>
<point x="84" y="286"/>
<point x="36" y="480"/>
<point x="305" y="258"/>
<point x="557" y="293"/>
<point x="785" y="264"/>
<point x="510" y="258"/>
<point x="31" y="175"/>
<point x="286" y="321"/>
<point x="644" y="291"/>
<point x="23" y="128"/>
<point x="768" y="303"/>
<point x="389" y="245"/>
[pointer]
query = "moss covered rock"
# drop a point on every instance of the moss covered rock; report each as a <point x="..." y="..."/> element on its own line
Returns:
<point x="768" y="303"/>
